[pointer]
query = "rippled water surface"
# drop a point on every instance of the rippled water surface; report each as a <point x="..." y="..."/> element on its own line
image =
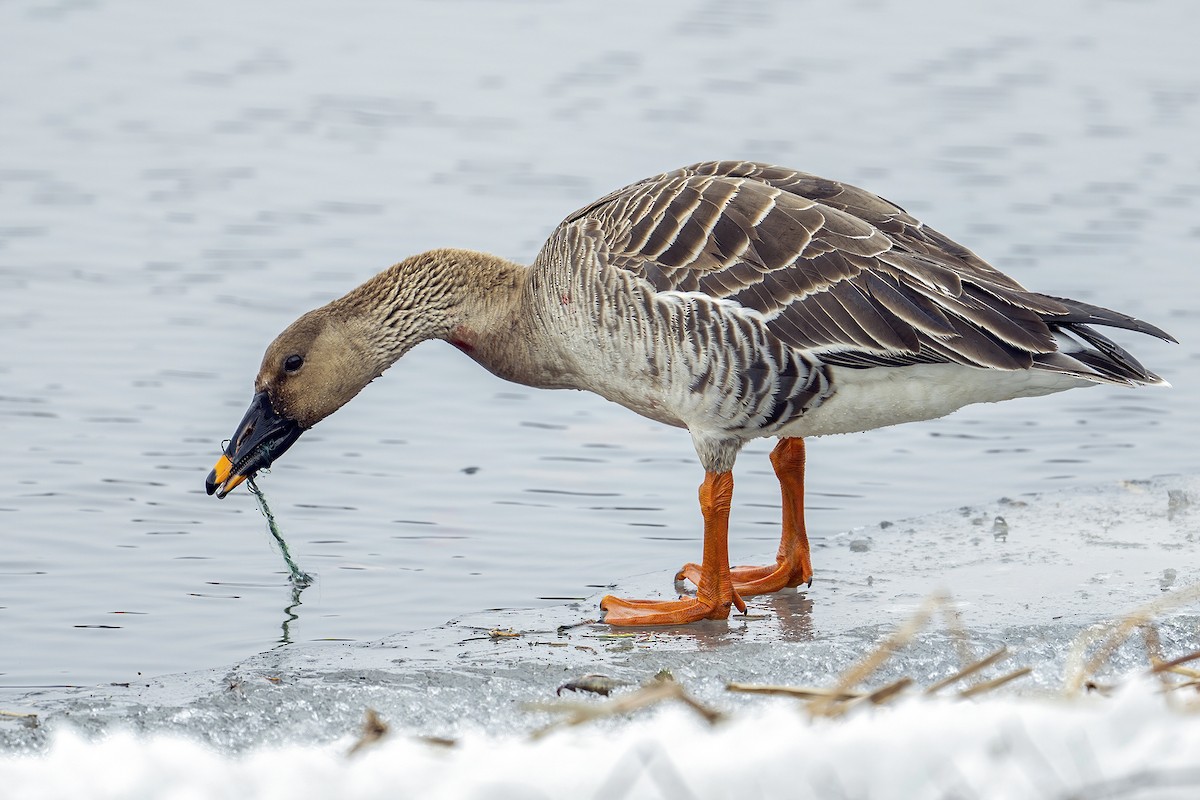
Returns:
<point x="179" y="181"/>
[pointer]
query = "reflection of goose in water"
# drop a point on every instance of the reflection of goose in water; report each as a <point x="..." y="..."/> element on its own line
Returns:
<point x="734" y="299"/>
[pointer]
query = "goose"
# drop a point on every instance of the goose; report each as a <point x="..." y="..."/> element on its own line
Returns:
<point x="734" y="299"/>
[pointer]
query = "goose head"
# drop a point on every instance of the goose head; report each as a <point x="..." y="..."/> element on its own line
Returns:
<point x="326" y="357"/>
<point x="316" y="366"/>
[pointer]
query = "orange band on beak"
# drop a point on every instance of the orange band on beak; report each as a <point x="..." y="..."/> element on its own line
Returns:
<point x="222" y="478"/>
<point x="221" y="470"/>
<point x="233" y="483"/>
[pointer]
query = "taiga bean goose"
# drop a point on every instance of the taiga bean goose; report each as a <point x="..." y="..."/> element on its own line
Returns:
<point x="733" y="299"/>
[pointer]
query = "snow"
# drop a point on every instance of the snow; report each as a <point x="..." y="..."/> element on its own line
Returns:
<point x="1138" y="742"/>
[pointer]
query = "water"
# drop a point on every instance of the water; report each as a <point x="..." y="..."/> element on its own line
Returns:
<point x="298" y="577"/>
<point x="178" y="183"/>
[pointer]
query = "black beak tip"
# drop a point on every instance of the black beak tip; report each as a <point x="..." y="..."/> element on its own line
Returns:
<point x="261" y="437"/>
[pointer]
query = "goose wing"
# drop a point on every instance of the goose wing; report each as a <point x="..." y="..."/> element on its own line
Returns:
<point x="835" y="270"/>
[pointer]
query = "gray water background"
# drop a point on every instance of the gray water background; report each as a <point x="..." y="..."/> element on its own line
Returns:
<point x="179" y="181"/>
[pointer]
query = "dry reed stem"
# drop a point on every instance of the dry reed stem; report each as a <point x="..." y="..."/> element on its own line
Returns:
<point x="1080" y="670"/>
<point x="650" y="694"/>
<point x="799" y="692"/>
<point x="841" y="698"/>
<point x="877" y="697"/>
<point x="969" y="670"/>
<point x="994" y="683"/>
<point x="1175" y="665"/>
<point x="887" y="692"/>
<point x="876" y="658"/>
<point x="373" y="730"/>
<point x="1153" y="644"/>
<point x="1184" y="672"/>
<point x="506" y="633"/>
<point x="952" y="619"/>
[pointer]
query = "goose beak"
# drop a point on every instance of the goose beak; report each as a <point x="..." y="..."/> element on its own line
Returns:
<point x="262" y="437"/>
<point x="222" y="478"/>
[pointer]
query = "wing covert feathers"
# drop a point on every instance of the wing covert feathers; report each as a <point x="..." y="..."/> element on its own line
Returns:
<point x="846" y="276"/>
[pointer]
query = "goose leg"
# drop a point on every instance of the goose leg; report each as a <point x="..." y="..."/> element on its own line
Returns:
<point x="792" y="565"/>
<point x="714" y="588"/>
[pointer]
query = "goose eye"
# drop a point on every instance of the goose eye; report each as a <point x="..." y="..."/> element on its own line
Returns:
<point x="293" y="363"/>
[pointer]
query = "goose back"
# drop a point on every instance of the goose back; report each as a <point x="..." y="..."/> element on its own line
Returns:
<point x="843" y="274"/>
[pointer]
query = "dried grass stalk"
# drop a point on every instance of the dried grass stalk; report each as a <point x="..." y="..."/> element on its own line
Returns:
<point x="994" y="683"/>
<point x="873" y="660"/>
<point x="374" y="729"/>
<point x="651" y="694"/>
<point x="1081" y="668"/>
<point x="886" y="693"/>
<point x="1175" y="663"/>
<point x="799" y="692"/>
<point x="969" y="670"/>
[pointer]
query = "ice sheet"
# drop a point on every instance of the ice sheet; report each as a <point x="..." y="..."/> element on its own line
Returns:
<point x="1030" y="574"/>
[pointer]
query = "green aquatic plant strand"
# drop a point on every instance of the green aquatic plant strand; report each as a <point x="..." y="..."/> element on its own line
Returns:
<point x="299" y="578"/>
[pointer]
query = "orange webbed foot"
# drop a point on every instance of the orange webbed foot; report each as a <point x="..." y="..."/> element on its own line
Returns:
<point x="618" y="611"/>
<point x="715" y="594"/>
<point x="749" y="581"/>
